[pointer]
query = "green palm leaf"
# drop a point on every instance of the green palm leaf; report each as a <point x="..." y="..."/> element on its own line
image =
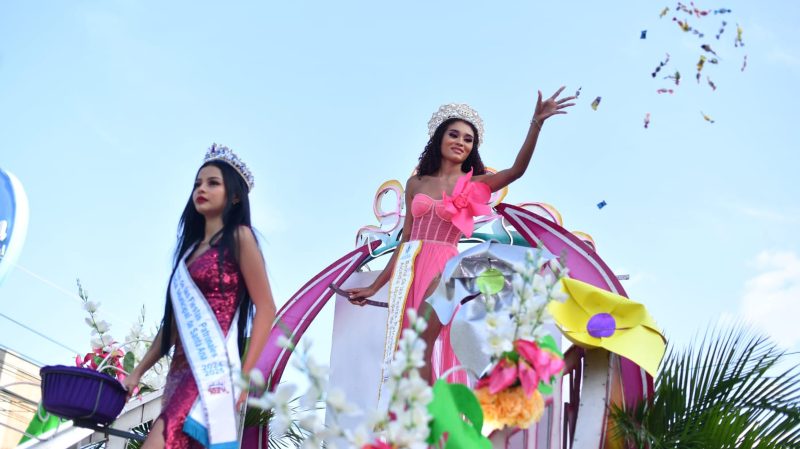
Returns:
<point x="736" y="389"/>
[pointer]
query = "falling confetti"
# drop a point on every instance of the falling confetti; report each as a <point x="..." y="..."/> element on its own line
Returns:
<point x="578" y="92"/>
<point x="602" y="204"/>
<point x="665" y="91"/>
<point x="700" y="64"/>
<point x="708" y="49"/>
<point x="660" y="65"/>
<point x="744" y="63"/>
<point x="676" y="77"/>
<point x="684" y="25"/>
<point x="711" y="83"/>
<point x="722" y="11"/>
<point x="722" y="29"/>
<point x="646" y="120"/>
<point x="707" y="117"/>
<point x="663" y="12"/>
<point x="713" y="61"/>
<point x="643" y="35"/>
<point x="738" y="42"/>
<point x="596" y="103"/>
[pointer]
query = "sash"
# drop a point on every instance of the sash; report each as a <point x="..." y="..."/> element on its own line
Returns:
<point x="213" y="359"/>
<point x="399" y="288"/>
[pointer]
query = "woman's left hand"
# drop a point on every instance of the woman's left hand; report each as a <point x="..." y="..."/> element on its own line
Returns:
<point x="550" y="107"/>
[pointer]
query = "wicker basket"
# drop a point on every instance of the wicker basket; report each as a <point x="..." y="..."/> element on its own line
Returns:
<point x="81" y="393"/>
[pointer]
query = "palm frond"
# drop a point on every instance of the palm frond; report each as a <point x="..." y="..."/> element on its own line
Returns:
<point x="733" y="390"/>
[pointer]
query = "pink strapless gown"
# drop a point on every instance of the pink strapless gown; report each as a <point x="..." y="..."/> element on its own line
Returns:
<point x="180" y="391"/>
<point x="432" y="225"/>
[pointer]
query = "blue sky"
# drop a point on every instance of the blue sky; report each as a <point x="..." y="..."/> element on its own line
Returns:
<point x="108" y="107"/>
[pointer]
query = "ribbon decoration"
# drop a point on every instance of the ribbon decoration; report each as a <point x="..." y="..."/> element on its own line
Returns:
<point x="595" y="318"/>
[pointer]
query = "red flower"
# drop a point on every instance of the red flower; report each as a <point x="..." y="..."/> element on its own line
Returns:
<point x="470" y="199"/>
<point x="378" y="444"/>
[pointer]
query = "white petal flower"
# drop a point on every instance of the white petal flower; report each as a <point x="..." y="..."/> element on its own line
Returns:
<point x="257" y="378"/>
<point x="96" y="343"/>
<point x="338" y="401"/>
<point x="360" y="436"/>
<point x="107" y="339"/>
<point x="102" y="326"/>
<point x="279" y="423"/>
<point x="91" y="306"/>
<point x="262" y="403"/>
<point x="89" y="322"/>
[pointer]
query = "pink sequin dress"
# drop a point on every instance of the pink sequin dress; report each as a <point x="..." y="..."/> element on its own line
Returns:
<point x="433" y="226"/>
<point x="180" y="391"/>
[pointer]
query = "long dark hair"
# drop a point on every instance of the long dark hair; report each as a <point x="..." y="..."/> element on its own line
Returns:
<point x="191" y="229"/>
<point x="431" y="158"/>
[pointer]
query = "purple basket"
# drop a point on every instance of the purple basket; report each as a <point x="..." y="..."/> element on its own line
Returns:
<point x="81" y="393"/>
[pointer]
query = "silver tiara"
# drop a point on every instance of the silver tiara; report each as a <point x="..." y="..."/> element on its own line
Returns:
<point x="459" y="111"/>
<point x="225" y="154"/>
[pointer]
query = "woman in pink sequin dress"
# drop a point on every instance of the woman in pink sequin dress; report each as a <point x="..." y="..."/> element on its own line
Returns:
<point x="226" y="265"/>
<point x="451" y="163"/>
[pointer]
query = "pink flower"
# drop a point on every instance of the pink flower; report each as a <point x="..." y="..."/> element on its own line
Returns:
<point x="545" y="363"/>
<point x="470" y="199"/>
<point x="528" y="377"/>
<point x="502" y="376"/>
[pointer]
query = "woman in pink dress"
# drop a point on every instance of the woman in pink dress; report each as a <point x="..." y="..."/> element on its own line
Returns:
<point x="221" y="255"/>
<point x="438" y="218"/>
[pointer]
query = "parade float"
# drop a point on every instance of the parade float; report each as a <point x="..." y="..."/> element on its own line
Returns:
<point x="615" y="346"/>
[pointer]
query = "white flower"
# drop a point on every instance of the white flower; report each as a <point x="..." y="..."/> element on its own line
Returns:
<point x="317" y="371"/>
<point x="90" y="306"/>
<point x="262" y="403"/>
<point x="102" y="326"/>
<point x="359" y="437"/>
<point x="257" y="378"/>
<point x="311" y="422"/>
<point x="106" y="339"/>
<point x="337" y="400"/>
<point x="96" y="343"/>
<point x="88" y="321"/>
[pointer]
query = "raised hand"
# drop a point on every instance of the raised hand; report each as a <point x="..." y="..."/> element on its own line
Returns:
<point x="550" y="107"/>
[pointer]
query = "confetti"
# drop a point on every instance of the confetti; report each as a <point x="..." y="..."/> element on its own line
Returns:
<point x="665" y="91"/>
<point x="602" y="204"/>
<point x="660" y="65"/>
<point x="722" y="11"/>
<point x="686" y="28"/>
<point x="646" y="120"/>
<point x="708" y="49"/>
<point x="700" y="64"/>
<point x="722" y="29"/>
<point x="643" y="35"/>
<point x="596" y="103"/>
<point x="676" y="77"/>
<point x="744" y="63"/>
<point x="663" y="12"/>
<point x="738" y="42"/>
<point x="578" y="92"/>
<point x="711" y="83"/>
<point x="707" y="117"/>
<point x="699" y="12"/>
<point x="713" y="61"/>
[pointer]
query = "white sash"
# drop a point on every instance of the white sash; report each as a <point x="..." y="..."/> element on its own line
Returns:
<point x="399" y="288"/>
<point x="213" y="359"/>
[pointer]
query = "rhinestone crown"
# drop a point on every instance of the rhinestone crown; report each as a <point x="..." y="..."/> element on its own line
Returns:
<point x="225" y="154"/>
<point x="459" y="111"/>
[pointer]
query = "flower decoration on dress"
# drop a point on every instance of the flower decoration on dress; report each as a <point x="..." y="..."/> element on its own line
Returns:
<point x="595" y="318"/>
<point x="459" y="111"/>
<point x="225" y="154"/>
<point x="470" y="199"/>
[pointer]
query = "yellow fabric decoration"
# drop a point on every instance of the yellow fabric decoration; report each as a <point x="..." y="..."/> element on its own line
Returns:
<point x="633" y="333"/>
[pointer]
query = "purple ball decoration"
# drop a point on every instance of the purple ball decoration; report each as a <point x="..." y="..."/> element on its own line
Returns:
<point x="601" y="325"/>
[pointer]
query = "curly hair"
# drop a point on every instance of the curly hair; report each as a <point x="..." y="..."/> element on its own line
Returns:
<point x="431" y="158"/>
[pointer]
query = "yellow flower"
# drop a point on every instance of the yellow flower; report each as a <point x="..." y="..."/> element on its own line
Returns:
<point x="595" y="318"/>
<point x="509" y="407"/>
